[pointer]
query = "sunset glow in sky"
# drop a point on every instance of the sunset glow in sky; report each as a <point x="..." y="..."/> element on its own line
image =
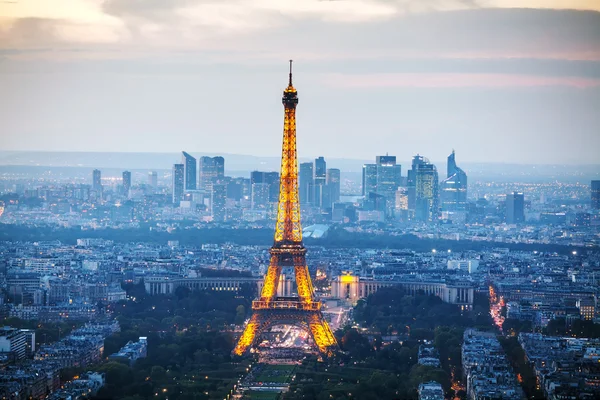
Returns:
<point x="373" y="76"/>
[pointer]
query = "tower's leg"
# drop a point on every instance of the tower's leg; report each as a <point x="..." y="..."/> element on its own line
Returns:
<point x="303" y="282"/>
<point x="321" y="334"/>
<point x="269" y="289"/>
<point x="248" y="336"/>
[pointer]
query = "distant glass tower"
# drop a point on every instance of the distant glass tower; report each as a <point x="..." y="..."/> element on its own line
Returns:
<point x="153" y="179"/>
<point x="178" y="178"/>
<point x="260" y="196"/>
<point x="333" y="181"/>
<point x="515" y="208"/>
<point x="189" y="171"/>
<point x="454" y="187"/>
<point x="218" y="199"/>
<point x="411" y="184"/>
<point x="369" y="179"/>
<point x="212" y="170"/>
<point x="595" y="195"/>
<point x="271" y="179"/>
<point x="97" y="180"/>
<point x="307" y="183"/>
<point x="321" y="197"/>
<point x="126" y="183"/>
<point x="389" y="177"/>
<point x="382" y="178"/>
<point x="426" y="191"/>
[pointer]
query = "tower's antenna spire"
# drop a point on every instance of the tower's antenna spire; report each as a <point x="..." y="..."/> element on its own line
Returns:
<point x="291" y="61"/>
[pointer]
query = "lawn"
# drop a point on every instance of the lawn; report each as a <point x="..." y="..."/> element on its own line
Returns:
<point x="258" y="395"/>
<point x="276" y="374"/>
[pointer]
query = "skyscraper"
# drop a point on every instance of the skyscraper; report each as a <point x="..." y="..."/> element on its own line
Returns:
<point x="260" y="196"/>
<point x="218" y="199"/>
<point x="153" y="179"/>
<point x="126" y="183"/>
<point x="306" y="184"/>
<point x="189" y="171"/>
<point x="411" y="183"/>
<point x="426" y="191"/>
<point x="389" y="176"/>
<point x="271" y="179"/>
<point x="515" y="208"/>
<point x="97" y="180"/>
<point x="178" y="178"/>
<point x="382" y="178"/>
<point x="212" y="170"/>
<point x="369" y="179"/>
<point x="595" y="195"/>
<point x="454" y="188"/>
<point x="320" y="171"/>
<point x="320" y="193"/>
<point x="333" y="181"/>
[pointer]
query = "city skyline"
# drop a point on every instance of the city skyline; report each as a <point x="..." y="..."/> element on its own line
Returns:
<point x="125" y="77"/>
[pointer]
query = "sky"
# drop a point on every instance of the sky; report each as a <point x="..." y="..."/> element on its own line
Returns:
<point x="493" y="82"/>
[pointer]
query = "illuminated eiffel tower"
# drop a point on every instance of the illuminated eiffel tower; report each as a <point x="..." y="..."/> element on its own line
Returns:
<point x="288" y="250"/>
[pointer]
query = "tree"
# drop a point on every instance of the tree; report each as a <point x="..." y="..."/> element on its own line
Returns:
<point x="240" y="315"/>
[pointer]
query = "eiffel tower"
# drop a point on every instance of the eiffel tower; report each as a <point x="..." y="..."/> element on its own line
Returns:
<point x="287" y="250"/>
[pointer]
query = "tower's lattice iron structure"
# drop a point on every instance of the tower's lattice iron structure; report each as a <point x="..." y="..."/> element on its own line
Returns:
<point x="288" y="250"/>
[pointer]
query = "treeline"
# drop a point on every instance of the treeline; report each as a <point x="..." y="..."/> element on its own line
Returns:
<point x="337" y="237"/>
<point x="392" y="311"/>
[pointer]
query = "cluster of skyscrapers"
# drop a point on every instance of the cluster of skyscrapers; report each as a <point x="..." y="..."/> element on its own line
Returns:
<point x="205" y="180"/>
<point x="195" y="181"/>
<point x="419" y="196"/>
<point x="200" y="185"/>
<point x="319" y="186"/>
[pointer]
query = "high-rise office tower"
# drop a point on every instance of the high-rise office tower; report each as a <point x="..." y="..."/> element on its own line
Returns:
<point x="260" y="196"/>
<point x="320" y="195"/>
<point x="320" y="171"/>
<point x="126" y="183"/>
<point x="515" y="208"/>
<point x="212" y="170"/>
<point x="333" y="181"/>
<point x="189" y="171"/>
<point x="382" y="178"/>
<point x="97" y="180"/>
<point x="389" y="176"/>
<point x="369" y="179"/>
<point x="401" y="206"/>
<point x="306" y="184"/>
<point x="454" y="188"/>
<point x="595" y="195"/>
<point x="269" y="178"/>
<point x="426" y="191"/>
<point x="178" y="178"/>
<point x="153" y="179"/>
<point x="411" y="183"/>
<point x="218" y="200"/>
<point x="235" y="189"/>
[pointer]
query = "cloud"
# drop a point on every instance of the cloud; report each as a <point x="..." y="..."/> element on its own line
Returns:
<point x="456" y="80"/>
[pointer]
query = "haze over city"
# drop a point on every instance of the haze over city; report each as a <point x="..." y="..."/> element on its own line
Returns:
<point x="496" y="83"/>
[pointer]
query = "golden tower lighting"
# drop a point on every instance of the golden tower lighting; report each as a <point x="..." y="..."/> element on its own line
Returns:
<point x="287" y="250"/>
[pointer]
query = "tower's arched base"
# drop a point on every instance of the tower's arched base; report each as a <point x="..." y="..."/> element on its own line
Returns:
<point x="311" y="321"/>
